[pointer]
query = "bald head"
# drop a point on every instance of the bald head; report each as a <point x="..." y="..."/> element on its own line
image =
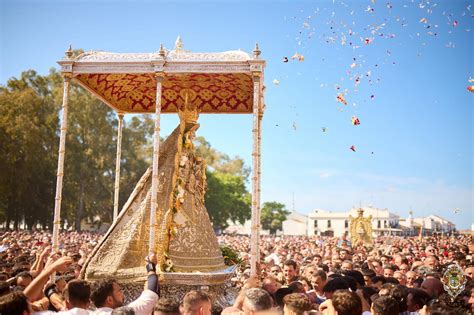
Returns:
<point x="433" y="287"/>
<point x="431" y="262"/>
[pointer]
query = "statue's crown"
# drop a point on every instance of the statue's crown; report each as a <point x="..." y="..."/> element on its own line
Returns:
<point x="360" y="212"/>
<point x="189" y="112"/>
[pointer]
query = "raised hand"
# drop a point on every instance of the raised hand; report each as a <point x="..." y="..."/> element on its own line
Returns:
<point x="61" y="264"/>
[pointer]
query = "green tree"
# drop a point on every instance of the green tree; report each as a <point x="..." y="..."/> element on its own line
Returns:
<point x="29" y="135"/>
<point x="137" y="153"/>
<point x="272" y="216"/>
<point x="90" y="158"/>
<point x="28" y="149"/>
<point x="220" y="162"/>
<point x="227" y="197"/>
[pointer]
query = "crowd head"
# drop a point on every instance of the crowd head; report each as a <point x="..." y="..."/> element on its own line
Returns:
<point x="396" y="275"/>
<point x="295" y="275"/>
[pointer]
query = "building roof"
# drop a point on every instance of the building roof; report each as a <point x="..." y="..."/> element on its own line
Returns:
<point x="441" y="219"/>
<point x="295" y="216"/>
<point x="374" y="212"/>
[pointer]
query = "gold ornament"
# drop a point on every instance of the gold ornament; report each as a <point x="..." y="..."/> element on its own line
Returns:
<point x="188" y="113"/>
<point x="454" y="280"/>
<point x="361" y="229"/>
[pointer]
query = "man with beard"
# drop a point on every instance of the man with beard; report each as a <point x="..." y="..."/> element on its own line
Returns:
<point x="107" y="296"/>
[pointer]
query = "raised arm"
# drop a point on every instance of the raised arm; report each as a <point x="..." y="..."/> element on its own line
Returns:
<point x="39" y="262"/>
<point x="147" y="300"/>
<point x="33" y="290"/>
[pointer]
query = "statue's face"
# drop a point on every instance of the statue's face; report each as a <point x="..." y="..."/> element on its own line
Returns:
<point x="360" y="229"/>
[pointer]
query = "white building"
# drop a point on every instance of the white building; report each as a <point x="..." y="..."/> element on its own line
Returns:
<point x="435" y="224"/>
<point x="327" y="223"/>
<point x="242" y="229"/>
<point x="237" y="228"/>
<point x="295" y="224"/>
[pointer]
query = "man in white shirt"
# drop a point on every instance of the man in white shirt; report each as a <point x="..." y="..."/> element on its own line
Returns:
<point x="107" y="294"/>
<point x="78" y="293"/>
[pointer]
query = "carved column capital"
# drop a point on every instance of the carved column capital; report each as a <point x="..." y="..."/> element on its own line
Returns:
<point x="67" y="76"/>
<point x="256" y="76"/>
<point x="159" y="76"/>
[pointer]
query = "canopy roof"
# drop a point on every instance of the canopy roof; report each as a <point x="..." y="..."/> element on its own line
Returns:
<point x="215" y="82"/>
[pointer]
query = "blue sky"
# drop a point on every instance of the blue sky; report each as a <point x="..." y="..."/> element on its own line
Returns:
<point x="415" y="141"/>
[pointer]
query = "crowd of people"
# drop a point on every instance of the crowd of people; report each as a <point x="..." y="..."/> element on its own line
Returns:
<point x="397" y="275"/>
<point x="296" y="275"/>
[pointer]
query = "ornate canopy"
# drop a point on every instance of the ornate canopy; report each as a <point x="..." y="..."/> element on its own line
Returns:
<point x="168" y="81"/>
<point x="215" y="82"/>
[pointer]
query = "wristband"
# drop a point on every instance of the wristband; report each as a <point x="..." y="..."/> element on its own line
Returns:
<point x="150" y="267"/>
<point x="50" y="290"/>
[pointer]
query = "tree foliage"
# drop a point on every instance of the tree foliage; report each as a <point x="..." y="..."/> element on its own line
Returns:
<point x="272" y="216"/>
<point x="221" y="162"/>
<point x="28" y="148"/>
<point x="227" y="197"/>
<point x="29" y="137"/>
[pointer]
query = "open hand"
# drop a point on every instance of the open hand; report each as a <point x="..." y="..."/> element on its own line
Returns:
<point x="61" y="264"/>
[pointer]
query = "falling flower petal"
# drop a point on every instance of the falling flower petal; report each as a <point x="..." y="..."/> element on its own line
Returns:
<point x="355" y="121"/>
<point x="471" y="88"/>
<point x="341" y="99"/>
<point x="353" y="65"/>
<point x="368" y="41"/>
<point x="455" y="23"/>
<point x="276" y="82"/>
<point x="297" y="56"/>
<point x="324" y="129"/>
<point x="343" y="40"/>
<point x="353" y="148"/>
<point x="285" y="59"/>
<point x="424" y="20"/>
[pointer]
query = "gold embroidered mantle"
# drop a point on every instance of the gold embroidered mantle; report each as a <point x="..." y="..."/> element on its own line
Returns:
<point x="184" y="232"/>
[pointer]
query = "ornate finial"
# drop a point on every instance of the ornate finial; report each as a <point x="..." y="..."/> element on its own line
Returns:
<point x="410" y="212"/>
<point x="189" y="112"/>
<point x="68" y="52"/>
<point x="360" y="212"/>
<point x="178" y="44"/>
<point x="162" y="51"/>
<point x="256" y="51"/>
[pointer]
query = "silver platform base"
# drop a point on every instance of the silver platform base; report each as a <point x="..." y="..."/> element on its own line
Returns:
<point x="175" y="285"/>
